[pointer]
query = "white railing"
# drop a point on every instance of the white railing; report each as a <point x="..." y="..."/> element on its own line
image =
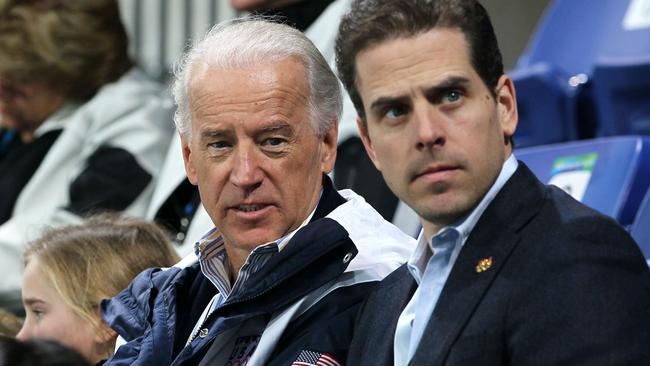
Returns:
<point x="160" y="30"/>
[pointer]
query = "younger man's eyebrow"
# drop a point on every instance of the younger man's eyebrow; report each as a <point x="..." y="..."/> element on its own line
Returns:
<point x="382" y="102"/>
<point x="452" y="82"/>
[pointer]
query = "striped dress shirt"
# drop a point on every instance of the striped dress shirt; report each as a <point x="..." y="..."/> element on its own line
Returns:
<point x="214" y="263"/>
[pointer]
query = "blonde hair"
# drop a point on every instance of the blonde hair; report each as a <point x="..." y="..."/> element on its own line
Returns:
<point x="73" y="46"/>
<point x="98" y="258"/>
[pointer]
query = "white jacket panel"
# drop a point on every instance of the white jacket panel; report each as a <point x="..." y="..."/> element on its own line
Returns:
<point x="133" y="114"/>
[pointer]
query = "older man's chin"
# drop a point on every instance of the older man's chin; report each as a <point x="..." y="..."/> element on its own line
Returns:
<point x="250" y="235"/>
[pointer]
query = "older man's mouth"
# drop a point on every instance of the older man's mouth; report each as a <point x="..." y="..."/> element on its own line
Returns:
<point x="251" y="211"/>
<point x="250" y="208"/>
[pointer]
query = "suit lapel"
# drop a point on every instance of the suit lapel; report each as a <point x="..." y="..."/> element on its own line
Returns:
<point x="492" y="240"/>
<point x="384" y="308"/>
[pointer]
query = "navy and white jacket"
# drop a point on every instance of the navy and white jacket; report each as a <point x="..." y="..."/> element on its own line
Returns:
<point x="301" y="304"/>
<point x="322" y="32"/>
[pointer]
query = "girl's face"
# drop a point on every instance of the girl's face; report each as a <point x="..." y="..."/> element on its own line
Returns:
<point x="47" y="316"/>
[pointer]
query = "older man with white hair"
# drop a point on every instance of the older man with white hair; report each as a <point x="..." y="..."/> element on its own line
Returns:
<point x="280" y="278"/>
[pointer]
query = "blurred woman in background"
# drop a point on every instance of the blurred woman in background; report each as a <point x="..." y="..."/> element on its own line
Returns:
<point x="81" y="130"/>
<point x="69" y="270"/>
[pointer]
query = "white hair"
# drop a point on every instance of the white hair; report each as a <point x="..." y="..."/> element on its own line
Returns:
<point x="245" y="42"/>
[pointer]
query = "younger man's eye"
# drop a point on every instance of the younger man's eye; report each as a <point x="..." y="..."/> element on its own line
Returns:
<point x="452" y="96"/>
<point x="394" y="112"/>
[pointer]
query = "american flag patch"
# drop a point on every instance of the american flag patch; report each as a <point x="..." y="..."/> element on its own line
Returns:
<point x="311" y="358"/>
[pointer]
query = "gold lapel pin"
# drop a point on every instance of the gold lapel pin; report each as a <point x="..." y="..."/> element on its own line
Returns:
<point x="483" y="264"/>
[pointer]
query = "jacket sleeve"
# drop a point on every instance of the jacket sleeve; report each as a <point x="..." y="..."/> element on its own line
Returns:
<point x="325" y="330"/>
<point x="588" y="304"/>
<point x="142" y="316"/>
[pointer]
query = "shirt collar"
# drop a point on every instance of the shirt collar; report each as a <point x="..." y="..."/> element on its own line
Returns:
<point x="424" y="250"/>
<point x="213" y="258"/>
<point x="467" y="225"/>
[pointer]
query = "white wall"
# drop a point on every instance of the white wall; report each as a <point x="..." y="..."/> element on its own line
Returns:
<point x="514" y="21"/>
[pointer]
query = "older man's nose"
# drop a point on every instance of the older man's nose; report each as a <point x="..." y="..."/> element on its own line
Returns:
<point x="246" y="172"/>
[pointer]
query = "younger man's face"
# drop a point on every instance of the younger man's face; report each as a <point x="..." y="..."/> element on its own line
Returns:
<point x="434" y="129"/>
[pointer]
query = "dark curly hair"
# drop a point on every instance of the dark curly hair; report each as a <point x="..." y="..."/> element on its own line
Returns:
<point x="370" y="22"/>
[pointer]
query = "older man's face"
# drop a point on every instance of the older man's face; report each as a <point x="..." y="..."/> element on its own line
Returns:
<point x="254" y="152"/>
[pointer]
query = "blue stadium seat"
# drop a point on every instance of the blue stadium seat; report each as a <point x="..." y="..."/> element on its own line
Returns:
<point x="543" y="84"/>
<point x="621" y="74"/>
<point x="609" y="174"/>
<point x="549" y="74"/>
<point x="569" y="34"/>
<point x="601" y="42"/>
<point x="640" y="229"/>
<point x="621" y="91"/>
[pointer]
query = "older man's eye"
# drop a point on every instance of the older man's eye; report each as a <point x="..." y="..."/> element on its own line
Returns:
<point x="219" y="145"/>
<point x="219" y="148"/>
<point x="274" y="142"/>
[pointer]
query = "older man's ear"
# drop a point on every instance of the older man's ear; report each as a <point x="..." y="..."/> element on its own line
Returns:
<point x="328" y="146"/>
<point x="187" y="160"/>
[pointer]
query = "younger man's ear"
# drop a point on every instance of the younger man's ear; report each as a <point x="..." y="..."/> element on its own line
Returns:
<point x="507" y="105"/>
<point x="367" y="142"/>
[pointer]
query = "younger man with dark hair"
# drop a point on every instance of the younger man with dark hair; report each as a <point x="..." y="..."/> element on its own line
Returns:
<point x="507" y="271"/>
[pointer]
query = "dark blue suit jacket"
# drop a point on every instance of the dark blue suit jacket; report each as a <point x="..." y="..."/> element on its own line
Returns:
<point x="566" y="286"/>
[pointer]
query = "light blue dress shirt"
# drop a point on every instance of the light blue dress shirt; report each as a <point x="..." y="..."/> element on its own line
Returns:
<point x="430" y="265"/>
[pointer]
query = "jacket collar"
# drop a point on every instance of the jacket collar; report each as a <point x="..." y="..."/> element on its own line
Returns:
<point x="495" y="236"/>
<point x="330" y="200"/>
<point x="314" y="257"/>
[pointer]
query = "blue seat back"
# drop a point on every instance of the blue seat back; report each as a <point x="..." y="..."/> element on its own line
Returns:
<point x="572" y="34"/>
<point x="625" y="29"/>
<point x="549" y="74"/>
<point x="621" y="92"/>
<point x="604" y="43"/>
<point x="610" y="175"/>
<point x="621" y="74"/>
<point x="546" y="106"/>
